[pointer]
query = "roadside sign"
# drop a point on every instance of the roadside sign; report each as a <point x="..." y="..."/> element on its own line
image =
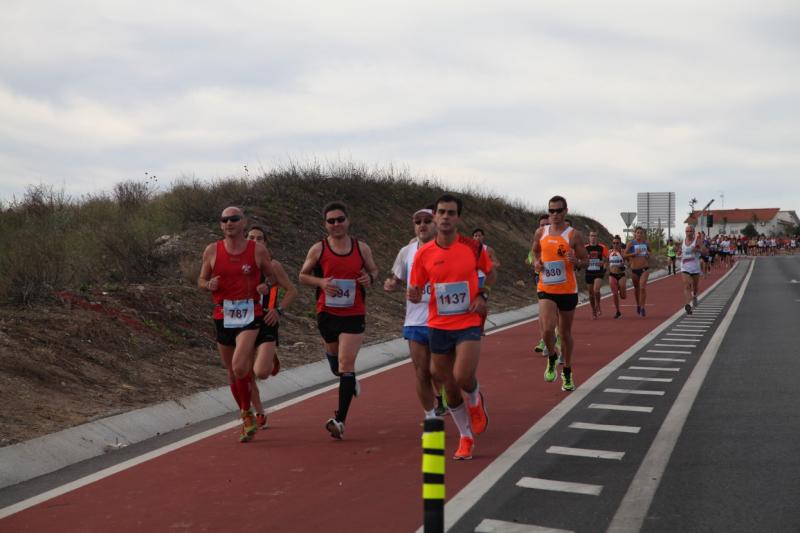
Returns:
<point x="628" y="217"/>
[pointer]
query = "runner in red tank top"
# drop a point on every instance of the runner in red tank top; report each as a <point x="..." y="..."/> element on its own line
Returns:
<point x="267" y="362"/>
<point x="341" y="268"/>
<point x="231" y="270"/>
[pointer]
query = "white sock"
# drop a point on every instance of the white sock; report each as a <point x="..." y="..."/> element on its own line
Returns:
<point x="474" y="395"/>
<point x="430" y="414"/>
<point x="461" y="418"/>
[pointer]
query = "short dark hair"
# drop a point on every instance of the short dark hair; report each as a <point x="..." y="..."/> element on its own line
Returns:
<point x="259" y="228"/>
<point x="544" y="217"/>
<point x="557" y="199"/>
<point x="637" y="228"/>
<point x="476" y="230"/>
<point x="447" y="198"/>
<point x="334" y="206"/>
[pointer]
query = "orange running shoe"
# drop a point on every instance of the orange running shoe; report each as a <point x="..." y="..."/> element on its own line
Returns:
<point x="464" y="452"/>
<point x="276" y="365"/>
<point x="248" y="426"/>
<point x="478" y="417"/>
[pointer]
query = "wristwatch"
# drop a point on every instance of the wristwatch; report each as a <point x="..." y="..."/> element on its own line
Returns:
<point x="279" y="309"/>
<point x="485" y="296"/>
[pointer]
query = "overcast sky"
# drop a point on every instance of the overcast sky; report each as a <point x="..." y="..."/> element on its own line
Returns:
<point x="593" y="100"/>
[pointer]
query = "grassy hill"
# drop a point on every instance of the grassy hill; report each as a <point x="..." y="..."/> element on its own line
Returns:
<point x="99" y="310"/>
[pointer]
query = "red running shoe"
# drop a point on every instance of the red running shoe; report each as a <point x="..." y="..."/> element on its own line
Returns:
<point x="477" y="416"/>
<point x="465" y="446"/>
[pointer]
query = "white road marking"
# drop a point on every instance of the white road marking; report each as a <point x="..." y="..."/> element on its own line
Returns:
<point x="638" y="378"/>
<point x="560" y="486"/>
<point x="677" y="345"/>
<point x="488" y="525"/>
<point x="583" y="452"/>
<point x="635" y="391"/>
<point x="669" y="351"/>
<point x="656" y="368"/>
<point x="665" y="359"/>
<point x="605" y="427"/>
<point x="684" y="334"/>
<point x="617" y="407"/>
<point x="634" y="507"/>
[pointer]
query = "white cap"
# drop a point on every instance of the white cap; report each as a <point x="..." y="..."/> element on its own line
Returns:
<point x="426" y="211"/>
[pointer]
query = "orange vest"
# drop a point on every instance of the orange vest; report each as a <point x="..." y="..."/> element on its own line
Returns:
<point x="558" y="274"/>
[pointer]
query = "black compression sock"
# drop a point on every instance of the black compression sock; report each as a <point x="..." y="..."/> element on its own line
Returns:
<point x="333" y="361"/>
<point x="347" y="386"/>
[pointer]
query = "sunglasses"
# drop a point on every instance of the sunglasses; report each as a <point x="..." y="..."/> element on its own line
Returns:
<point x="553" y="211"/>
<point x="232" y="218"/>
<point x="425" y="221"/>
<point x="334" y="220"/>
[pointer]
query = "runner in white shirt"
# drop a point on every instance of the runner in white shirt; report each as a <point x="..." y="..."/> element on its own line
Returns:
<point x="415" y="327"/>
<point x="690" y="251"/>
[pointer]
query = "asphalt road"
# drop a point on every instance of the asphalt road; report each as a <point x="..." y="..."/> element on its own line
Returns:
<point x="736" y="464"/>
<point x="695" y="431"/>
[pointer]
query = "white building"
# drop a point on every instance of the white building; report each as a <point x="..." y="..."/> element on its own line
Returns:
<point x="768" y="221"/>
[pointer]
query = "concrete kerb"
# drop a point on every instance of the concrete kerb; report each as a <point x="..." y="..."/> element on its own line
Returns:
<point x="26" y="460"/>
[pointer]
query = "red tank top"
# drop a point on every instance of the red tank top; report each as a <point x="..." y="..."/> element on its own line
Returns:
<point x="238" y="278"/>
<point x="345" y="269"/>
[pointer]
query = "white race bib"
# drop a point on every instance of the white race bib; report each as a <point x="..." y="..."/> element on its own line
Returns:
<point x="554" y="272"/>
<point x="640" y="249"/>
<point x="594" y="264"/>
<point x="452" y="298"/>
<point x="426" y="293"/>
<point x="345" y="294"/>
<point x="238" y="313"/>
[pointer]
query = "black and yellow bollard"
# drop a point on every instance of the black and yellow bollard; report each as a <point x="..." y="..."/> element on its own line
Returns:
<point x="433" y="475"/>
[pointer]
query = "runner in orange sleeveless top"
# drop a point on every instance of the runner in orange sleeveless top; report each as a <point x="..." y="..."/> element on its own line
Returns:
<point x="558" y="250"/>
<point x="231" y="270"/>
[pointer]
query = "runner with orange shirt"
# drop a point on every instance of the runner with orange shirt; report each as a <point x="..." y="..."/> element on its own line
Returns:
<point x="558" y="250"/>
<point x="450" y="263"/>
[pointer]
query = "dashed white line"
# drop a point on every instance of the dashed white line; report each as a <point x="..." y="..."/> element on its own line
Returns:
<point x="664" y="359"/>
<point x="635" y="391"/>
<point x="656" y="368"/>
<point x="677" y="345"/>
<point x="684" y="334"/>
<point x="560" y="486"/>
<point x="617" y="407"/>
<point x="669" y="351"/>
<point x="638" y="378"/>
<point x="488" y="525"/>
<point x="583" y="452"/>
<point x="605" y="427"/>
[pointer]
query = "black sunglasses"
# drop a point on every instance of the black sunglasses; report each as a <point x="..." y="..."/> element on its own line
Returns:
<point x="334" y="220"/>
<point x="232" y="218"/>
<point x="553" y="211"/>
<point x="426" y="221"/>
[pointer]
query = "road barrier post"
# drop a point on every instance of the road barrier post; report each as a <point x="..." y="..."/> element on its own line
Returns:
<point x="433" y="475"/>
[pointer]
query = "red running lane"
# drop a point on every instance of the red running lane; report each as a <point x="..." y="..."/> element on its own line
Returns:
<point x="294" y="477"/>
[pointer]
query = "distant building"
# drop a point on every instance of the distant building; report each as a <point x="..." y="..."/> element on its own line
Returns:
<point x="769" y="221"/>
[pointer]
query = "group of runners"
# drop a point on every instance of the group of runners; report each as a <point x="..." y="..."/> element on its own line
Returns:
<point x="448" y="279"/>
